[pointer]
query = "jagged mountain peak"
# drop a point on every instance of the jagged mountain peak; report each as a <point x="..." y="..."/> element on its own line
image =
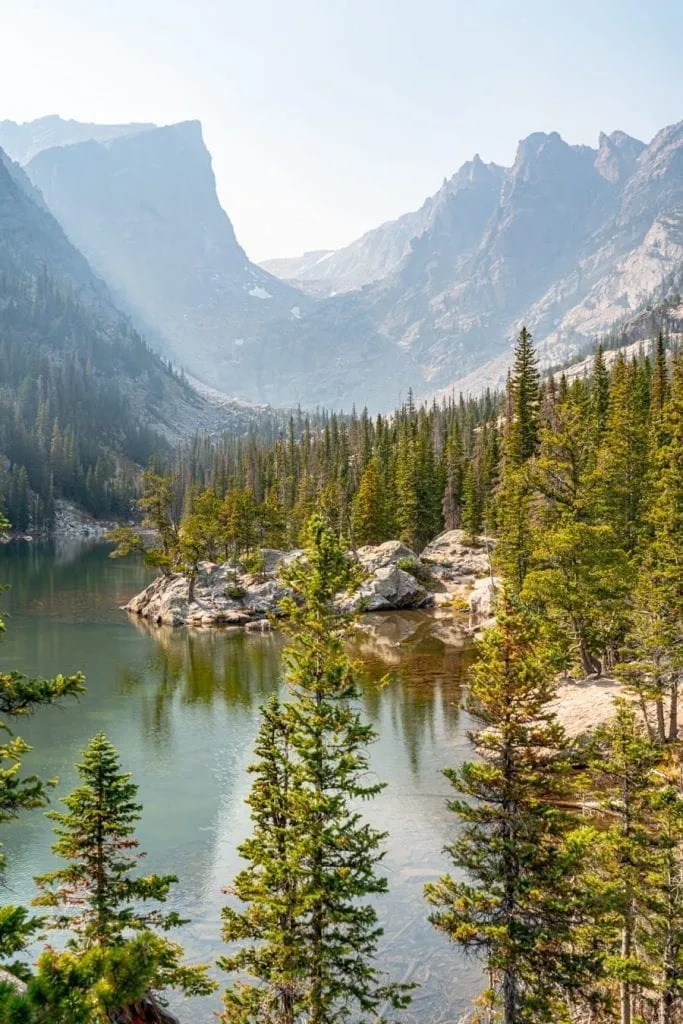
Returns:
<point x="617" y="156"/>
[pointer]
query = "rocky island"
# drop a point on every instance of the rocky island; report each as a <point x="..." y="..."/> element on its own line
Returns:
<point x="451" y="572"/>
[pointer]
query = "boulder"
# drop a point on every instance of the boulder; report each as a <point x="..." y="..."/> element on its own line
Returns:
<point x="481" y="602"/>
<point x="378" y="556"/>
<point x="273" y="558"/>
<point x="452" y="556"/>
<point x="221" y="597"/>
<point x="389" y="589"/>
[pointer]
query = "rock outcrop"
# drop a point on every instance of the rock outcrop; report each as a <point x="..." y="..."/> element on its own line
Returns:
<point x="451" y="573"/>
<point x="221" y="596"/>
<point x="453" y="558"/>
<point x="481" y="601"/>
<point x="226" y="595"/>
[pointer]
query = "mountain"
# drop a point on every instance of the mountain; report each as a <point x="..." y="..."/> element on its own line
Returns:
<point x="569" y="239"/>
<point x="24" y="141"/>
<point x="84" y="401"/>
<point x="140" y="203"/>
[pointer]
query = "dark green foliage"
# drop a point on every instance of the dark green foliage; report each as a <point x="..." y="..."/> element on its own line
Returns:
<point x="102" y="902"/>
<point x="76" y="386"/>
<point x="519" y="903"/>
<point x="308" y="933"/>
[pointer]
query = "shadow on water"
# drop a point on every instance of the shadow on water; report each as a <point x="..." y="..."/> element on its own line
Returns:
<point x="182" y="707"/>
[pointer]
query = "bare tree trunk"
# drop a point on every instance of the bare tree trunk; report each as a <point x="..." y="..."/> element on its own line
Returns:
<point x="145" y="1011"/>
<point x="661" y="726"/>
<point x="646" y="718"/>
<point x="510" y="998"/>
<point x="673" y="711"/>
<point x="625" y="987"/>
<point x="589" y="662"/>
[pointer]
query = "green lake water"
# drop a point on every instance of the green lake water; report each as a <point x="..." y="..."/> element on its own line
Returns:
<point x="183" y="707"/>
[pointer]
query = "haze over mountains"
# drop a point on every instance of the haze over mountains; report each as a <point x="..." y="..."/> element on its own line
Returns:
<point x="569" y="240"/>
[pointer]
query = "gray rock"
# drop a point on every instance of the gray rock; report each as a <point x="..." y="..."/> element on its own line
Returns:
<point x="452" y="556"/>
<point x="216" y="589"/>
<point x="389" y="589"/>
<point x="373" y="557"/>
<point x="481" y="600"/>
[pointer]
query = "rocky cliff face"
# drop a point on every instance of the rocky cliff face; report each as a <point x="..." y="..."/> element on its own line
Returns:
<point x="141" y="205"/>
<point x="568" y="240"/>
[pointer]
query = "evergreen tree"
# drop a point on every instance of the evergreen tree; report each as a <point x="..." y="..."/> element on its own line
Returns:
<point x="519" y="903"/>
<point x="623" y="767"/>
<point x="97" y="895"/>
<point x="471" y="509"/>
<point x="368" y="509"/>
<point x="308" y="935"/>
<point x="525" y="386"/>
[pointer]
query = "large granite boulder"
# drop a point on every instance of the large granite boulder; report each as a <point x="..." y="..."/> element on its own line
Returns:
<point x="378" y="556"/>
<point x="389" y="589"/>
<point x="221" y="596"/>
<point x="481" y="601"/>
<point x="453" y="557"/>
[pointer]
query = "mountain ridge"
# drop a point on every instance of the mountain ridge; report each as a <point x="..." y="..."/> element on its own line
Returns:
<point x="568" y="239"/>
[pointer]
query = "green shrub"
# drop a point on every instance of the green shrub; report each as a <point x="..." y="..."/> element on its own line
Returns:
<point x="417" y="570"/>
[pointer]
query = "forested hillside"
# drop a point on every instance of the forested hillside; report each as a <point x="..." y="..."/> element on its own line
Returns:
<point x="84" y="402"/>
<point x="76" y="391"/>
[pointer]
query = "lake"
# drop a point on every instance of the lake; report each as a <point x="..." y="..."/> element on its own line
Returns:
<point x="183" y="709"/>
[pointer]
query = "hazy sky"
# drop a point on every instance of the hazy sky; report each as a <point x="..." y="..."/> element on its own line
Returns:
<point x="327" y="117"/>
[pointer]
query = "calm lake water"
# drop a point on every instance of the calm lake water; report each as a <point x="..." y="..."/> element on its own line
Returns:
<point x="183" y="709"/>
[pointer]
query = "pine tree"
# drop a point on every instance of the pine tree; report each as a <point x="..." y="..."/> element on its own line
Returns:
<point x="407" y="502"/>
<point x="523" y="430"/>
<point x="655" y="642"/>
<point x="97" y="895"/>
<point x="471" y="509"/>
<point x="308" y="935"/>
<point x="519" y="903"/>
<point x="599" y="394"/>
<point x="620" y="467"/>
<point x="622" y="770"/>
<point x="369" y="518"/>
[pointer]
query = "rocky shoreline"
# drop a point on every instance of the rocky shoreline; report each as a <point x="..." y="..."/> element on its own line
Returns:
<point x="450" y="573"/>
<point x="71" y="523"/>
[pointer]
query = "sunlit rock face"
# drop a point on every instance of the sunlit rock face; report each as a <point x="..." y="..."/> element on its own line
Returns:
<point x="568" y="239"/>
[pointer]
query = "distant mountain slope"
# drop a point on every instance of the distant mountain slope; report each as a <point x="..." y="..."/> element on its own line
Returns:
<point x="83" y="400"/>
<point x="24" y="141"/>
<point x="142" y="207"/>
<point x="568" y="240"/>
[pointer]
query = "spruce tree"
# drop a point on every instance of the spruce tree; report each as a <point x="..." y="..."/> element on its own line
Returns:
<point x="369" y="517"/>
<point x="98" y="897"/>
<point x="519" y="903"/>
<point x="308" y="935"/>
<point x="471" y="506"/>
<point x="622" y="770"/>
<point x="525" y="386"/>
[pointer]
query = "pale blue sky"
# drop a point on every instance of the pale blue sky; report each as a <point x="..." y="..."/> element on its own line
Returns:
<point x="326" y="118"/>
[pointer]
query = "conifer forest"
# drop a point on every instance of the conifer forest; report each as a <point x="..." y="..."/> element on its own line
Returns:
<point x="566" y="860"/>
